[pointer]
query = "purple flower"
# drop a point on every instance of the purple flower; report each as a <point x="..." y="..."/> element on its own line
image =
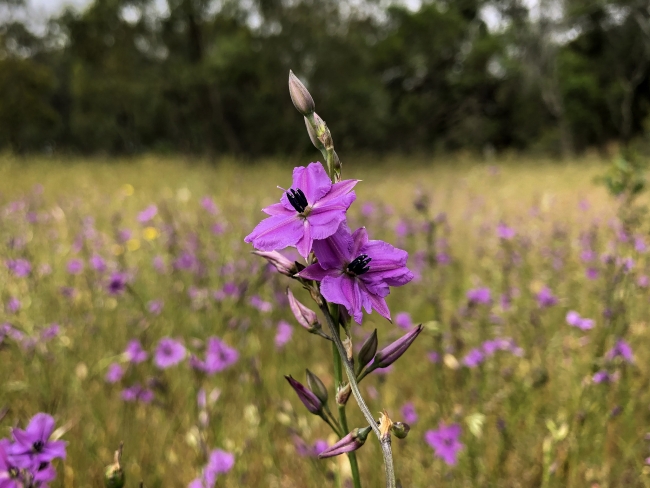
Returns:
<point x="155" y="307"/>
<point x="137" y="393"/>
<point x="19" y="267"/>
<point x="168" y="353"/>
<point x="114" y="373"/>
<point x="13" y="305"/>
<point x="603" y="377"/>
<point x="283" y="334"/>
<point x="409" y="414"/>
<point x="473" y="358"/>
<point x="445" y="442"/>
<point x="134" y="352"/>
<point x="260" y="304"/>
<point x="403" y="320"/>
<point x="481" y="296"/>
<point x="33" y="446"/>
<point x="97" y="263"/>
<point x="9" y="473"/>
<point x="218" y="356"/>
<point x="574" y="319"/>
<point x="504" y="232"/>
<point x="209" y="206"/>
<point x="313" y="208"/>
<point x="357" y="272"/>
<point x="219" y="462"/>
<point x="147" y="214"/>
<point x="75" y="266"/>
<point x="433" y="356"/>
<point x="116" y="284"/>
<point x="50" y="332"/>
<point x="545" y="298"/>
<point x="621" y="349"/>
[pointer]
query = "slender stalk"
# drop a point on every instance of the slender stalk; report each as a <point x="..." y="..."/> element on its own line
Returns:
<point x="343" y="421"/>
<point x="349" y="370"/>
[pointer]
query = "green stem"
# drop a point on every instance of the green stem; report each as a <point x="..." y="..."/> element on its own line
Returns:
<point x="343" y="421"/>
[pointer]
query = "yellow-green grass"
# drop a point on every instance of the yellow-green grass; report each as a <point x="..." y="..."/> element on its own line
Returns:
<point x="257" y="414"/>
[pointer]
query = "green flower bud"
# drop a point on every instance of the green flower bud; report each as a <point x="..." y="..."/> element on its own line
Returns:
<point x="300" y="96"/>
<point x="316" y="386"/>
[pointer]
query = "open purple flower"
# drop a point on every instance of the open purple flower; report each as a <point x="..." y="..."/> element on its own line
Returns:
<point x="19" y="267"/>
<point x="134" y="352"/>
<point x="220" y="462"/>
<point x="445" y="442"/>
<point x="356" y="272"/>
<point x="169" y="353"/>
<point x="9" y="473"/>
<point x="33" y="446"/>
<point x="621" y="349"/>
<point x="218" y="356"/>
<point x="313" y="208"/>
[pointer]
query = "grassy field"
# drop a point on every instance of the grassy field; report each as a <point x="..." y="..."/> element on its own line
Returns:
<point x="531" y="415"/>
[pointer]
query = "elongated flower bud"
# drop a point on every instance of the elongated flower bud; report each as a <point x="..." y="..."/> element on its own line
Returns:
<point x="114" y="474"/>
<point x="311" y="401"/>
<point x="351" y="442"/>
<point x="305" y="316"/>
<point x="312" y="133"/>
<point x="282" y="264"/>
<point x="317" y="387"/>
<point x="392" y="352"/>
<point x="367" y="352"/>
<point x="300" y="96"/>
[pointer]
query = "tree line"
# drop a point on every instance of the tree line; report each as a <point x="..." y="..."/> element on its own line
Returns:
<point x="209" y="76"/>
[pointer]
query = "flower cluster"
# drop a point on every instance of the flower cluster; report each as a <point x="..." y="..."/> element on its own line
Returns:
<point x="354" y="271"/>
<point x="26" y="459"/>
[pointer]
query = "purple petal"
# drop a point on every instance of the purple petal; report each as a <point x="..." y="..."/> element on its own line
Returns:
<point x="305" y="243"/>
<point x="335" y="251"/>
<point x="41" y="426"/>
<point x="379" y="304"/>
<point x="360" y="239"/>
<point x="317" y="273"/>
<point x="53" y="449"/>
<point x="278" y="209"/>
<point x="338" y="189"/>
<point x="313" y="181"/>
<point x="344" y="290"/>
<point x="277" y="232"/>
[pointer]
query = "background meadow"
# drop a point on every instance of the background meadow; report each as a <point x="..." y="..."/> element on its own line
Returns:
<point x="152" y="247"/>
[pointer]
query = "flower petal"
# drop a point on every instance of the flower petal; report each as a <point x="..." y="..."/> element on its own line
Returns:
<point x="338" y="189"/>
<point x="313" y="181"/>
<point x="360" y="238"/>
<point x="334" y="252"/>
<point x="278" y="209"/>
<point x="41" y="426"/>
<point x="276" y="232"/>
<point x="317" y="273"/>
<point x="344" y="290"/>
<point x="304" y="245"/>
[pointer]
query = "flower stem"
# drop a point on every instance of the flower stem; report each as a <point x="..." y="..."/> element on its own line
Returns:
<point x="349" y="370"/>
<point x="343" y="421"/>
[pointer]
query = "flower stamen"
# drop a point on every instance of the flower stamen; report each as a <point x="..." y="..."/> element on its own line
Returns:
<point x="359" y="265"/>
<point x="297" y="200"/>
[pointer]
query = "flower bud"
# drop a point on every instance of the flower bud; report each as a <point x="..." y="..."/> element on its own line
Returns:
<point x="351" y="442"/>
<point x="392" y="352"/>
<point x="305" y="316"/>
<point x="300" y="97"/>
<point x="367" y="352"/>
<point x="400" y="429"/>
<point x="317" y="387"/>
<point x="311" y="401"/>
<point x="282" y="264"/>
<point x="312" y="133"/>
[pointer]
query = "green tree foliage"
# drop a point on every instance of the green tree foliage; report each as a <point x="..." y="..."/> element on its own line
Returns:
<point x="209" y="77"/>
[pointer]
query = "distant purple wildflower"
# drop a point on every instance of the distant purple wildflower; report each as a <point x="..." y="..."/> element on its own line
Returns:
<point x="209" y="206"/>
<point x="159" y="264"/>
<point x="219" y="462"/>
<point x="603" y="377"/>
<point x="218" y="356"/>
<point x="621" y="349"/>
<point x="313" y="208"/>
<point x="116" y="284"/>
<point x="545" y="298"/>
<point x="403" y="320"/>
<point x="433" y="356"/>
<point x="168" y="353"/>
<point x="574" y="319"/>
<point x="591" y="273"/>
<point x="135" y="353"/>
<point x="19" y="267"/>
<point x="445" y="442"/>
<point x="504" y="232"/>
<point x="283" y="334"/>
<point x="75" y="266"/>
<point x="13" y="305"/>
<point x="97" y="263"/>
<point x="261" y="305"/>
<point x="115" y="373"/>
<point x="148" y="214"/>
<point x="473" y="358"/>
<point x="50" y="332"/>
<point x="643" y="281"/>
<point x="155" y="307"/>
<point x="33" y="446"/>
<point x="137" y="393"/>
<point x="408" y="413"/>
<point x="357" y="272"/>
<point x="481" y="296"/>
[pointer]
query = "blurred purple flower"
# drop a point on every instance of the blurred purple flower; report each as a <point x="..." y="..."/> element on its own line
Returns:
<point x="114" y="373"/>
<point x="403" y="320"/>
<point x="147" y="214"/>
<point x="260" y="304"/>
<point x="473" y="358"/>
<point x="75" y="266"/>
<point x="643" y="281"/>
<point x="159" y="264"/>
<point x="168" y="353"/>
<point x="155" y="307"/>
<point x="97" y="263"/>
<point x="218" y="356"/>
<point x="357" y="272"/>
<point x="368" y="209"/>
<point x="574" y="319"/>
<point x="50" y="332"/>
<point x="621" y="349"/>
<point x="134" y="352"/>
<point x="481" y="296"/>
<point x="13" y="305"/>
<point x="445" y="442"/>
<point x="408" y="413"/>
<point x="283" y="334"/>
<point x="433" y="356"/>
<point x="137" y="393"/>
<point x="545" y="298"/>
<point x="219" y="462"/>
<point x="504" y="232"/>
<point x="124" y="235"/>
<point x="313" y="208"/>
<point x="209" y="206"/>
<point x="640" y="245"/>
<point x="33" y="445"/>
<point x="19" y="267"/>
<point x="116" y="284"/>
<point x="591" y="273"/>
<point x="603" y="377"/>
